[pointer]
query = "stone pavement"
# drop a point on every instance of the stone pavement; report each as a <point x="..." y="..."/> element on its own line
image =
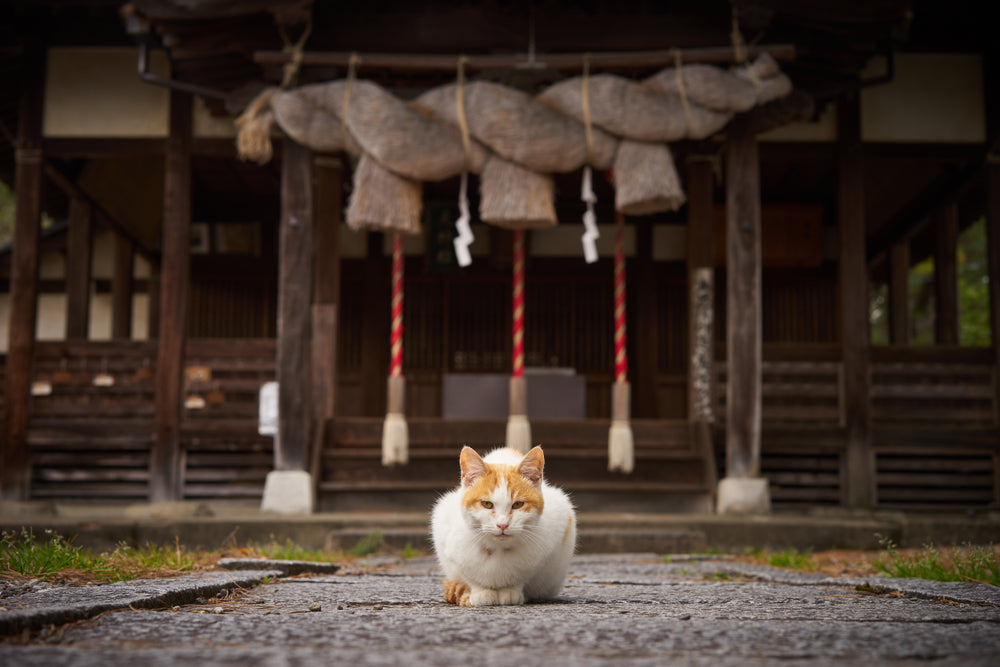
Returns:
<point x="622" y="609"/>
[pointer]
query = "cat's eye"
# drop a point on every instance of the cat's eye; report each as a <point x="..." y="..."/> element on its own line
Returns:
<point x="518" y="504"/>
<point x="487" y="504"/>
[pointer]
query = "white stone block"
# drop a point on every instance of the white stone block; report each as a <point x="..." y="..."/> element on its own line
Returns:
<point x="288" y="492"/>
<point x="743" y="495"/>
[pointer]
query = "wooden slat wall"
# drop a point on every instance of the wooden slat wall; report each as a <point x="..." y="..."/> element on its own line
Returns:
<point x="224" y="457"/>
<point x="89" y="439"/>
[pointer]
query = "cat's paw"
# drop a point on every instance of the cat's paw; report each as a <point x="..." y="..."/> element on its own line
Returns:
<point x="482" y="597"/>
<point x="456" y="592"/>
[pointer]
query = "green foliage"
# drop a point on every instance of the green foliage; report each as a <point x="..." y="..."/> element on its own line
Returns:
<point x="973" y="286"/>
<point x="971" y="563"/>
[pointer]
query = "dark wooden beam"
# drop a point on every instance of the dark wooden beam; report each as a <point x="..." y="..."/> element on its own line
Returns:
<point x="121" y="288"/>
<point x="23" y="310"/>
<point x="560" y="61"/>
<point x="946" y="274"/>
<point x="854" y="326"/>
<point x="295" y="294"/>
<point x="164" y="473"/>
<point x="899" y="292"/>
<point x="326" y="300"/>
<point x="743" y="301"/>
<point x="79" y="248"/>
<point x="948" y="186"/>
<point x="72" y="190"/>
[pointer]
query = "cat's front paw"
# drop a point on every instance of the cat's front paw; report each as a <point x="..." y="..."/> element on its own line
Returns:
<point x="483" y="597"/>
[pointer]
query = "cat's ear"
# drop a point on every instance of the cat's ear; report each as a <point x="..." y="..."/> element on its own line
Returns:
<point x="531" y="466"/>
<point x="473" y="466"/>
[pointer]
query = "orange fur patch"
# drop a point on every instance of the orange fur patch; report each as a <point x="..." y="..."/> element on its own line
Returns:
<point x="456" y="592"/>
<point x="518" y="487"/>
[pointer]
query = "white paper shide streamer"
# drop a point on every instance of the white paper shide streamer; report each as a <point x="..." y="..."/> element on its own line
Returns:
<point x="465" y="237"/>
<point x="591" y="234"/>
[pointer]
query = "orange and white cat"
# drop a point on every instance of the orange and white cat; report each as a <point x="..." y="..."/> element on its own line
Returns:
<point x="505" y="535"/>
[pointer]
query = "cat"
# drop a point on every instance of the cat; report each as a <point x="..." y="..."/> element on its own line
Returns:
<point x="504" y="535"/>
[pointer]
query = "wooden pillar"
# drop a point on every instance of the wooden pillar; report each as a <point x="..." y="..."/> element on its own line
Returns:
<point x="946" y="275"/>
<point x="295" y="298"/>
<point x="644" y="372"/>
<point x="14" y="467"/>
<point x="743" y="302"/>
<point x="79" y="248"/>
<point x="374" y="325"/>
<point x="164" y="466"/>
<point x="993" y="262"/>
<point x="899" y="292"/>
<point x="121" y="288"/>
<point x="854" y="326"/>
<point x="701" y="308"/>
<point x="326" y="298"/>
<point x="153" y="298"/>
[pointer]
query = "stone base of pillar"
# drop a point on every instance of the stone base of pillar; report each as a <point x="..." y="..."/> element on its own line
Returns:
<point x="743" y="495"/>
<point x="288" y="492"/>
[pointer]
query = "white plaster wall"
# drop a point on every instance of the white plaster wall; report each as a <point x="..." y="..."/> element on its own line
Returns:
<point x="97" y="92"/>
<point x="932" y="98"/>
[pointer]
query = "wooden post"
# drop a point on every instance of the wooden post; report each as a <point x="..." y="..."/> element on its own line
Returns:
<point x="14" y="466"/>
<point x="326" y="297"/>
<point x="701" y="309"/>
<point x="993" y="261"/>
<point x="899" y="292"/>
<point x="743" y="303"/>
<point x="295" y="277"/>
<point x="946" y="275"/>
<point x="164" y="464"/>
<point x="743" y="490"/>
<point x="79" y="247"/>
<point x="121" y="288"/>
<point x="854" y="326"/>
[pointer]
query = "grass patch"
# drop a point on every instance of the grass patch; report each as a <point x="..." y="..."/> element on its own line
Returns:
<point x="291" y="551"/>
<point x="55" y="556"/>
<point x="792" y="559"/>
<point x="979" y="564"/>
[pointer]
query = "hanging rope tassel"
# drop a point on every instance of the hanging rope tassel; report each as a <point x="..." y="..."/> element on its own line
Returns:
<point x="395" y="435"/>
<point x="518" y="428"/>
<point x="621" y="450"/>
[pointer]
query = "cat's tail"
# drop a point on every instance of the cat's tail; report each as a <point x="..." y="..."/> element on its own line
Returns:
<point x="456" y="592"/>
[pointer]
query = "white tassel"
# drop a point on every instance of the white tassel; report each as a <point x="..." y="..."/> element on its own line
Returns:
<point x="519" y="433"/>
<point x="621" y="449"/>
<point x="395" y="434"/>
<point x="395" y="440"/>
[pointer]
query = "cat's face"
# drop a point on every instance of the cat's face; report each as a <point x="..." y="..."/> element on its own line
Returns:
<point x="502" y="501"/>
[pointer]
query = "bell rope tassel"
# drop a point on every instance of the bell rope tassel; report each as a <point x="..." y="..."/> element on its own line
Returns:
<point x="518" y="428"/>
<point x="621" y="449"/>
<point x="395" y="435"/>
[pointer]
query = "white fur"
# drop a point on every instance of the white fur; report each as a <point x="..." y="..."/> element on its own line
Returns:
<point x="527" y="562"/>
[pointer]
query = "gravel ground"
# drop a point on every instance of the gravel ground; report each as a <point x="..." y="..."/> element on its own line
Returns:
<point x="630" y="609"/>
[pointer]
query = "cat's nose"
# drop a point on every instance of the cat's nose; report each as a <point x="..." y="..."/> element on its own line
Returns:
<point x="502" y="525"/>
